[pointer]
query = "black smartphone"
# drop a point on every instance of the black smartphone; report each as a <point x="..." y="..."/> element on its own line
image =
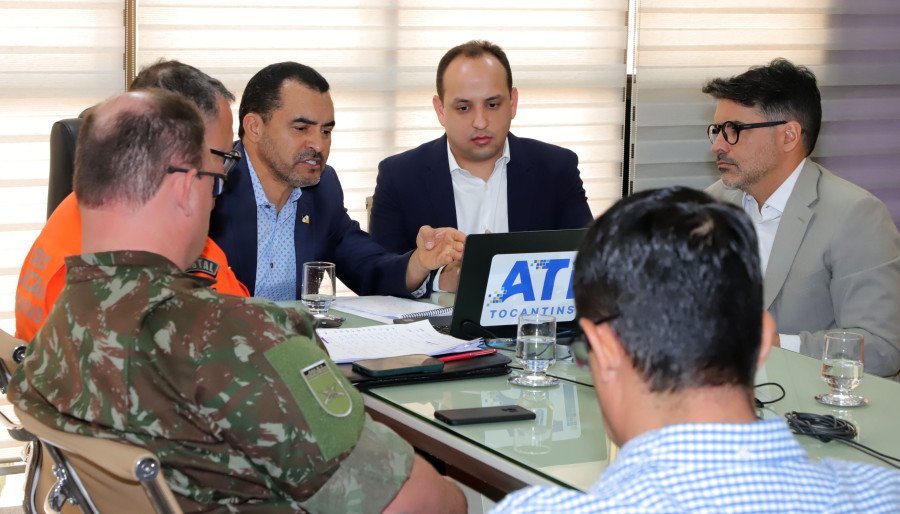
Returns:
<point x="402" y="365"/>
<point x="483" y="415"/>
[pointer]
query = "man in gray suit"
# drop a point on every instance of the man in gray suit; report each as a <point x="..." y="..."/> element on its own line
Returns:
<point x="829" y="250"/>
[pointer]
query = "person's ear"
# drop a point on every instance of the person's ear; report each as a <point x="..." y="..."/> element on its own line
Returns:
<point x="438" y="108"/>
<point x="768" y="336"/>
<point x="253" y="126"/>
<point x="514" y="100"/>
<point x="182" y="184"/>
<point x="607" y="354"/>
<point x="791" y="138"/>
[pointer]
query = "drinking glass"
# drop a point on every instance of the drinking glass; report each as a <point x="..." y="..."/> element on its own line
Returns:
<point x="535" y="350"/>
<point x="318" y="291"/>
<point x="842" y="368"/>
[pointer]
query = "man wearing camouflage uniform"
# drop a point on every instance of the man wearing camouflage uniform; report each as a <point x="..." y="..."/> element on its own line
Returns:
<point x="242" y="407"/>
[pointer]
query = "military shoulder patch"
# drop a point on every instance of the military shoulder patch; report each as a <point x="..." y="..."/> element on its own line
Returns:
<point x="205" y="266"/>
<point x="327" y="389"/>
<point x="332" y="408"/>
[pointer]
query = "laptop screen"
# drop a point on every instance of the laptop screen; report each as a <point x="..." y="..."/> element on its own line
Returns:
<point x="506" y="275"/>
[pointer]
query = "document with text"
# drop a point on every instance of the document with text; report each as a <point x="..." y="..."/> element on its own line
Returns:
<point x="353" y="344"/>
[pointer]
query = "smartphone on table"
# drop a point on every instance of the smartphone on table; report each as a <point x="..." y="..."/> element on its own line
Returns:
<point x="402" y="365"/>
<point x="492" y="414"/>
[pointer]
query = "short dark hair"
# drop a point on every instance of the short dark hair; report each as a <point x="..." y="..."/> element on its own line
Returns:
<point x="186" y="80"/>
<point x="681" y="273"/>
<point x="471" y="49"/>
<point x="780" y="90"/>
<point x="121" y="157"/>
<point x="263" y="93"/>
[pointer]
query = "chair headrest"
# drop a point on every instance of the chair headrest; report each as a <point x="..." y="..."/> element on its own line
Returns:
<point x="63" y="136"/>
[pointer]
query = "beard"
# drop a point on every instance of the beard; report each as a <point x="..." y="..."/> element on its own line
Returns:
<point x="285" y="171"/>
<point x="741" y="176"/>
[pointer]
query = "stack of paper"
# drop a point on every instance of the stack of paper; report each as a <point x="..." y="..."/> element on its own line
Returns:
<point x="354" y="344"/>
<point x="388" y="308"/>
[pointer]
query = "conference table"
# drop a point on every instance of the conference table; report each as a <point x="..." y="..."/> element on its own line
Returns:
<point x="567" y="445"/>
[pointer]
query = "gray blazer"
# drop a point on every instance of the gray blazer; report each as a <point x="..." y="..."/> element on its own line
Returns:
<point x="835" y="263"/>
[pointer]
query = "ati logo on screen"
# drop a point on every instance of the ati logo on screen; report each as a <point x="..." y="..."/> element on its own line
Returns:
<point x="529" y="283"/>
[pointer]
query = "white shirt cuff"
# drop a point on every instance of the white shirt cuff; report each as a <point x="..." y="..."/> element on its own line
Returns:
<point x="420" y="292"/>
<point x="790" y="342"/>
<point x="435" y="284"/>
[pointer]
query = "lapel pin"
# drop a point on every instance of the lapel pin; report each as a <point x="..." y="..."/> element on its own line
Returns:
<point x="305" y="219"/>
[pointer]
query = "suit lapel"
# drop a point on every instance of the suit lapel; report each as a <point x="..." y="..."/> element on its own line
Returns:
<point x="305" y="243"/>
<point x="791" y="229"/>
<point x="439" y="185"/>
<point x="233" y="223"/>
<point x="521" y="202"/>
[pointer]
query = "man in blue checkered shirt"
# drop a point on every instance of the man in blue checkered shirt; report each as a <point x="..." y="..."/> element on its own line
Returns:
<point x="669" y="290"/>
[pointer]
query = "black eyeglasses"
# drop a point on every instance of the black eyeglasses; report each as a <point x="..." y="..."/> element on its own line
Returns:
<point x="731" y="130"/>
<point x="231" y="158"/>
<point x="218" y="178"/>
<point x="579" y="348"/>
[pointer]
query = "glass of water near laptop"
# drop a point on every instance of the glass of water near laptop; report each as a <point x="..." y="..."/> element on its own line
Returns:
<point x="535" y="350"/>
<point x="318" y="290"/>
<point x="842" y="368"/>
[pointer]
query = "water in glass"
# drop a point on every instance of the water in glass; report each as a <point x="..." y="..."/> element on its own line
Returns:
<point x="842" y="374"/>
<point x="535" y="350"/>
<point x="318" y="289"/>
<point x="842" y="368"/>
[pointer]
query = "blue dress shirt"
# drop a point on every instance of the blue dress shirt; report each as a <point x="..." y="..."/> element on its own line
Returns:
<point x="276" y="269"/>
<point x="720" y="467"/>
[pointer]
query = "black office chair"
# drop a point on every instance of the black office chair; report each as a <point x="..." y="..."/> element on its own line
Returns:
<point x="63" y="136"/>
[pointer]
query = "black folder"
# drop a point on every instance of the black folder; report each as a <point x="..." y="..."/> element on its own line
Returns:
<point x="483" y="366"/>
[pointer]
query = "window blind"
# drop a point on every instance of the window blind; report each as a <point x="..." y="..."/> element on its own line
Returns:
<point x="853" y="47"/>
<point x="380" y="58"/>
<point x="58" y="58"/>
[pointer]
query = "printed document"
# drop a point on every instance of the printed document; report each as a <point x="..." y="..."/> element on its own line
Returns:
<point x="353" y="344"/>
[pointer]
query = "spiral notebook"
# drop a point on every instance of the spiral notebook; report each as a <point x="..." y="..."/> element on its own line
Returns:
<point x="442" y="311"/>
<point x="388" y="308"/>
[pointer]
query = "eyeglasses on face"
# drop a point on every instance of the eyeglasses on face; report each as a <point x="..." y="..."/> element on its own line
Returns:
<point x="580" y="348"/>
<point x="231" y="158"/>
<point x="731" y="130"/>
<point x="218" y="178"/>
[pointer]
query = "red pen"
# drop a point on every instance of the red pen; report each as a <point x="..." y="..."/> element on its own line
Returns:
<point x="467" y="355"/>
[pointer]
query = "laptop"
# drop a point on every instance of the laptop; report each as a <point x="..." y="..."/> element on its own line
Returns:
<point x="506" y="274"/>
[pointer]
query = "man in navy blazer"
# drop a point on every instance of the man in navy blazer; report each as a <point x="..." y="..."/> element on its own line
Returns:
<point x="477" y="177"/>
<point x="282" y="206"/>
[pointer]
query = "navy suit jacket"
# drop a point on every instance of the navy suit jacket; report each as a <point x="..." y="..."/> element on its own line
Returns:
<point x="331" y="235"/>
<point x="414" y="188"/>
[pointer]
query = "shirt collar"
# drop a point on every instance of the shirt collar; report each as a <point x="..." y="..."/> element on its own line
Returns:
<point x="763" y="440"/>
<point x="105" y="265"/>
<point x="777" y="200"/>
<point x="259" y="193"/>
<point x="503" y="159"/>
<point x="95" y="265"/>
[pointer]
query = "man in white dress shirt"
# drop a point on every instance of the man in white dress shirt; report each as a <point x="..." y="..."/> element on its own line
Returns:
<point x="829" y="250"/>
<point x="478" y="177"/>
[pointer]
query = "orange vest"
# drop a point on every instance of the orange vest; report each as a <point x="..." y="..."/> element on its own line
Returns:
<point x="43" y="273"/>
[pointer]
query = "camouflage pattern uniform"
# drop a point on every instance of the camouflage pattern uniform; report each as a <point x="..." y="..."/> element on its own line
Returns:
<point x="234" y="395"/>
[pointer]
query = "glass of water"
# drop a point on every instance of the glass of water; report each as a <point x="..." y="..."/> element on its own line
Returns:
<point x="318" y="291"/>
<point x="535" y="350"/>
<point x="842" y="368"/>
